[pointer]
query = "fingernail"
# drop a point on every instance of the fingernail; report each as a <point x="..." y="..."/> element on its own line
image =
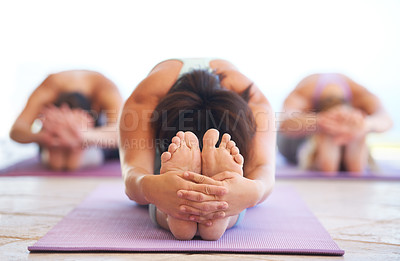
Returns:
<point x="209" y="224"/>
<point x="186" y="174"/>
<point x="192" y="218"/>
<point x="180" y="194"/>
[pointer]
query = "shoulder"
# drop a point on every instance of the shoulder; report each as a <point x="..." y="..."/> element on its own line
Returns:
<point x="300" y="98"/>
<point x="158" y="82"/>
<point x="232" y="78"/>
<point x="307" y="82"/>
<point x="222" y="65"/>
<point x="74" y="74"/>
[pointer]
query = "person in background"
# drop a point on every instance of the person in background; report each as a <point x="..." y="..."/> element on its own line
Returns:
<point x="209" y="132"/>
<point x="325" y="122"/>
<point x="72" y="116"/>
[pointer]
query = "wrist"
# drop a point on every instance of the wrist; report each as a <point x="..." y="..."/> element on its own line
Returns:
<point x="41" y="138"/>
<point x="36" y="138"/>
<point x="367" y="125"/>
<point x="144" y="183"/>
<point x="136" y="187"/>
<point x="258" y="193"/>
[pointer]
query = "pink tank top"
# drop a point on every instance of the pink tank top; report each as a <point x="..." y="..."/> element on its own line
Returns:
<point x="329" y="78"/>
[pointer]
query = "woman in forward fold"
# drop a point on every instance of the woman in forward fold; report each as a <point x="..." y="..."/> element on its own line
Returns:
<point x="326" y="120"/>
<point x="215" y="130"/>
<point x="70" y="106"/>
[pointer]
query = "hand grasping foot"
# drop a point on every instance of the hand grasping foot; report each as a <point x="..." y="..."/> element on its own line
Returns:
<point x="183" y="155"/>
<point x="216" y="160"/>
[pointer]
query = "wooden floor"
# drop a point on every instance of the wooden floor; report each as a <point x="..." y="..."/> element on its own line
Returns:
<point x="363" y="217"/>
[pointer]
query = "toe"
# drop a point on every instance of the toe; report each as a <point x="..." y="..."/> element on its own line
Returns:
<point x="176" y="140"/>
<point x="238" y="159"/>
<point x="210" y="138"/>
<point x="166" y="156"/>
<point x="172" y="148"/>
<point x="191" y="140"/>
<point x="224" y="140"/>
<point x="230" y="145"/>
<point x="235" y="151"/>
<point x="181" y="136"/>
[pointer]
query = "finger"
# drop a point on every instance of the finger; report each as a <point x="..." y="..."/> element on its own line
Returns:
<point x="224" y="175"/>
<point x="206" y="222"/>
<point x="328" y="121"/>
<point x="211" y="216"/>
<point x="203" y="208"/>
<point x="197" y="212"/>
<point x="213" y="190"/>
<point x="200" y="179"/>
<point x="65" y="108"/>
<point x="199" y="196"/>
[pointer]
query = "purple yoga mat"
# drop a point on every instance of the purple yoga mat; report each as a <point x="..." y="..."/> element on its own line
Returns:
<point x="108" y="221"/>
<point x="386" y="172"/>
<point x="33" y="167"/>
<point x="383" y="171"/>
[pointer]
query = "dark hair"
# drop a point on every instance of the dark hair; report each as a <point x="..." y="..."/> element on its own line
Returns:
<point x="76" y="100"/>
<point x="330" y="102"/>
<point x="197" y="102"/>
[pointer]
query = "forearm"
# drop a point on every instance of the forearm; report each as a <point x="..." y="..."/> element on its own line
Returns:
<point x="264" y="180"/>
<point x="378" y="122"/>
<point x="298" y="124"/>
<point x="23" y="134"/>
<point x="135" y="179"/>
<point x="104" y="137"/>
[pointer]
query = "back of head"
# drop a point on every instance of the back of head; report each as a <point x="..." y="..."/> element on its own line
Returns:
<point x="328" y="103"/>
<point x="197" y="102"/>
<point x="74" y="100"/>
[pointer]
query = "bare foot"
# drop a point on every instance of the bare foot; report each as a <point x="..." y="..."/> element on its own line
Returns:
<point x="224" y="158"/>
<point x="183" y="155"/>
<point x="216" y="160"/>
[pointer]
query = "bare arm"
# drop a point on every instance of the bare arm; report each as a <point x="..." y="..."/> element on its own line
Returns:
<point x="377" y="118"/>
<point x="137" y="154"/>
<point x="41" y="96"/>
<point x="296" y="118"/>
<point x="137" y="150"/>
<point x="259" y="166"/>
<point x="110" y="101"/>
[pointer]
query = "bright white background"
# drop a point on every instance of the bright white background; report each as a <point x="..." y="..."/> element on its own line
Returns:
<point x="275" y="43"/>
